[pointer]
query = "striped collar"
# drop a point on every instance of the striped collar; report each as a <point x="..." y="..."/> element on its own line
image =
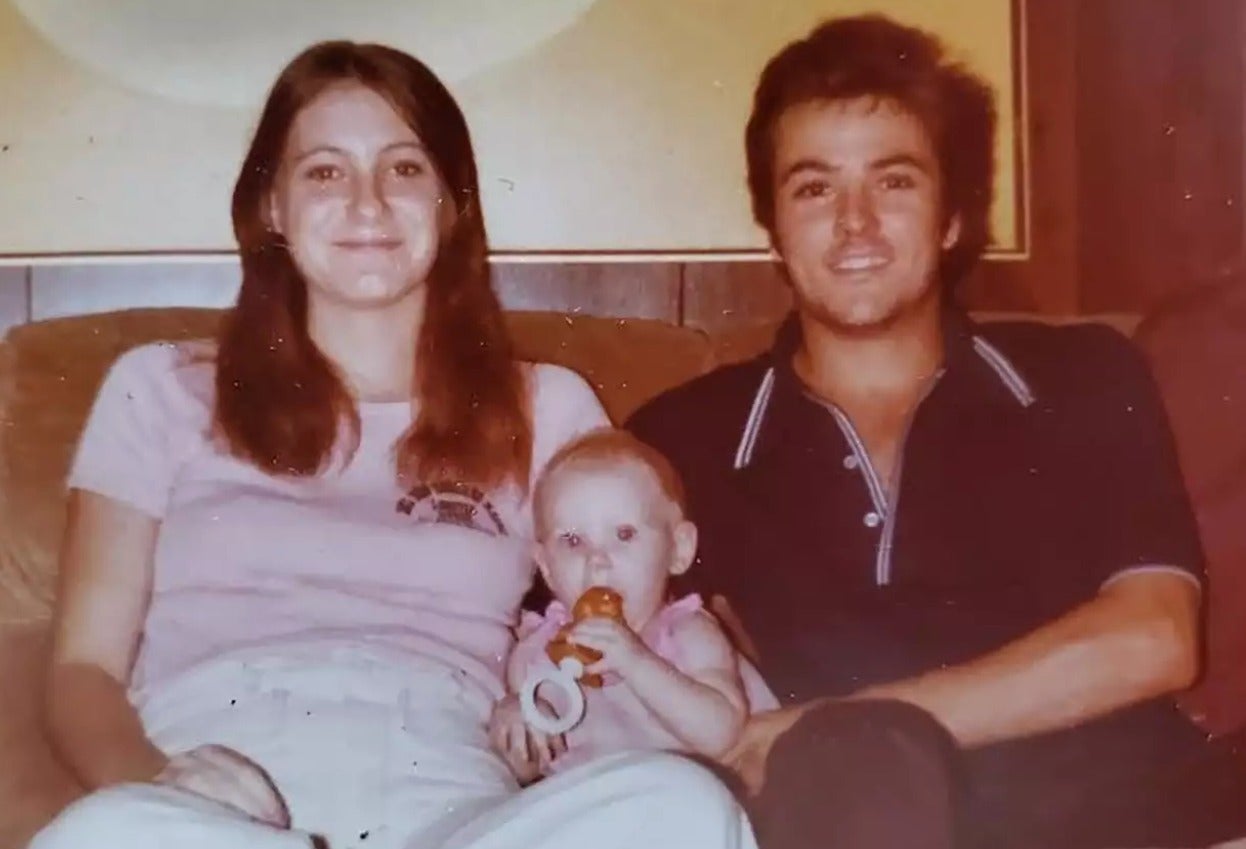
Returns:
<point x="965" y="349"/>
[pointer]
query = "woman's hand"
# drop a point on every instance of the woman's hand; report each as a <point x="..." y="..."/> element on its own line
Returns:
<point x="528" y="752"/>
<point x="747" y="758"/>
<point x="229" y="777"/>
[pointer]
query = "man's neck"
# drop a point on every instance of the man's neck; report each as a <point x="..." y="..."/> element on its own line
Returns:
<point x="894" y="362"/>
<point x="373" y="349"/>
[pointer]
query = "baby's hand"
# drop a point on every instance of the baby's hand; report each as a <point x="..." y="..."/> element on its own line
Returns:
<point x="618" y="644"/>
<point x="528" y="752"/>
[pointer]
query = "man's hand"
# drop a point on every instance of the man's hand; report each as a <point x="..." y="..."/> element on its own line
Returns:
<point x="229" y="777"/>
<point x="747" y="758"/>
<point x="620" y="648"/>
<point x="528" y="752"/>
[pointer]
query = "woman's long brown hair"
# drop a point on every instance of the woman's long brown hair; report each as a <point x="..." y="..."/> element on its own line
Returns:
<point x="280" y="403"/>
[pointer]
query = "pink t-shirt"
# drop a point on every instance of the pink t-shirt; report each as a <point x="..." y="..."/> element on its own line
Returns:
<point x="615" y="719"/>
<point x="248" y="561"/>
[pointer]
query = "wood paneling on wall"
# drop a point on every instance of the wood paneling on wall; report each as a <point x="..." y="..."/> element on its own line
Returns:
<point x="613" y="290"/>
<point x="1160" y="140"/>
<point x="59" y="290"/>
<point x="616" y="290"/>
<point x="1046" y="282"/>
<point x="14" y="297"/>
<point x="722" y="295"/>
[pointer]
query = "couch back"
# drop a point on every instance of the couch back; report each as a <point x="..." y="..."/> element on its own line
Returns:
<point x="50" y="371"/>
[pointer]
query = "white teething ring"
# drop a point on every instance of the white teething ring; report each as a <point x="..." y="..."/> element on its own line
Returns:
<point x="564" y="676"/>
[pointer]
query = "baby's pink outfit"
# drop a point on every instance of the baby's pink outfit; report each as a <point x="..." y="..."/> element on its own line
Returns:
<point x="615" y="719"/>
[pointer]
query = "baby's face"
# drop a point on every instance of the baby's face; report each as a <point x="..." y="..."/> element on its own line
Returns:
<point x="610" y="524"/>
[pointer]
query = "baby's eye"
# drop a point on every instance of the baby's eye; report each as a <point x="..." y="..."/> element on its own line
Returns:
<point x="626" y="533"/>
<point x="570" y="540"/>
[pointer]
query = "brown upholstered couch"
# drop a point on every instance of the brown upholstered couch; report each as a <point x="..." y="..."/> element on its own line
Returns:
<point x="48" y="375"/>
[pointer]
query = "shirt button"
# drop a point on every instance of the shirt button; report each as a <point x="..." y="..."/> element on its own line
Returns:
<point x="851" y="461"/>
<point x="872" y="519"/>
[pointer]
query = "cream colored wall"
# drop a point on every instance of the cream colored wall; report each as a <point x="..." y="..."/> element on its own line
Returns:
<point x="620" y="132"/>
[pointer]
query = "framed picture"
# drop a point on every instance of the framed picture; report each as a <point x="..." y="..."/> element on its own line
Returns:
<point x="603" y="128"/>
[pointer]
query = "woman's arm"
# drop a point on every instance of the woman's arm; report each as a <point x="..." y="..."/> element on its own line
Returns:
<point x="105" y="586"/>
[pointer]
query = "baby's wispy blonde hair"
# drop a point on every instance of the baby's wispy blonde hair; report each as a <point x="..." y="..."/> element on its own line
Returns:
<point x="608" y="445"/>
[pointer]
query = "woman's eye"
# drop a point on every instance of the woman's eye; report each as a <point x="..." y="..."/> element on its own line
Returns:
<point x="408" y="169"/>
<point x="323" y="173"/>
<point x="626" y="533"/>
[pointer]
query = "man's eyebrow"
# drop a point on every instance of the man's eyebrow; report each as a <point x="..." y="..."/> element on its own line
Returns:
<point x="802" y="165"/>
<point x="901" y="159"/>
<point x="819" y="166"/>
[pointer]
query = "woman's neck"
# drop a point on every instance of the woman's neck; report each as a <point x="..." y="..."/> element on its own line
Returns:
<point x="374" y="350"/>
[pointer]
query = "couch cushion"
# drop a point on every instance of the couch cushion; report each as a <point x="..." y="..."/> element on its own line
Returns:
<point x="51" y="370"/>
<point x="33" y="784"/>
<point x="50" y="373"/>
<point x="627" y="360"/>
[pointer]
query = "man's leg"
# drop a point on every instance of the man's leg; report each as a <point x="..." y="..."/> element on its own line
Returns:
<point x="1198" y="800"/>
<point x="860" y="775"/>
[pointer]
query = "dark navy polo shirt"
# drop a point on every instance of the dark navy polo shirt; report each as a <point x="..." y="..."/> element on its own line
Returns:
<point x="1038" y="468"/>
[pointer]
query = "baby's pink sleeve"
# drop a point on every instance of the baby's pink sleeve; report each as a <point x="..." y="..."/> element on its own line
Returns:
<point x="126" y="451"/>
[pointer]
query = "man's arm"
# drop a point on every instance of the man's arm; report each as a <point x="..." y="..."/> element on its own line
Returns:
<point x="1136" y="640"/>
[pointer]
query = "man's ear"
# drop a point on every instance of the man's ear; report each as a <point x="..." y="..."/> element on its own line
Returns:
<point x="684" y="535"/>
<point x="951" y="234"/>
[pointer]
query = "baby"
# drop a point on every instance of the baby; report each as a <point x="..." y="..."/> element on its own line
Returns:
<point x="609" y="513"/>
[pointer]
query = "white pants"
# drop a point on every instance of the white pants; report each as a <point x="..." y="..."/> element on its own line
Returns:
<point x="374" y="753"/>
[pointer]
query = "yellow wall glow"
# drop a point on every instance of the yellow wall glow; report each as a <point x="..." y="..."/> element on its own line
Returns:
<point x="607" y="126"/>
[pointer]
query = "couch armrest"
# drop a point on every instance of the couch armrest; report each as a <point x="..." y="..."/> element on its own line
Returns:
<point x="33" y="784"/>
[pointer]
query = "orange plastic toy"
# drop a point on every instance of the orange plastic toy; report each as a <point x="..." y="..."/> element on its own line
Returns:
<point x="596" y="601"/>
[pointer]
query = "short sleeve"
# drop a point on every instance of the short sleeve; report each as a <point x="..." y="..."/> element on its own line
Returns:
<point x="127" y="448"/>
<point x="564" y="408"/>
<point x="1135" y="487"/>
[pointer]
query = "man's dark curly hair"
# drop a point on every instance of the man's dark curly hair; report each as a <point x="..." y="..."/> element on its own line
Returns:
<point x="874" y="57"/>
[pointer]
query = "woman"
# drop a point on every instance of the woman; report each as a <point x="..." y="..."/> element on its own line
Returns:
<point x="293" y="557"/>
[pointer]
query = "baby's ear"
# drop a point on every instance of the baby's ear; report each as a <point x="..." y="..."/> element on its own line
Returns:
<point x="537" y="552"/>
<point x="684" y="534"/>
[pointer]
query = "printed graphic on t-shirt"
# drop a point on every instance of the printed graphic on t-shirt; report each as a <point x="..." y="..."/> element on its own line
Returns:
<point x="458" y="504"/>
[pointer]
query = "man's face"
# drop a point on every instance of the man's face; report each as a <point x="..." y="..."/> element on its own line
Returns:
<point x="857" y="212"/>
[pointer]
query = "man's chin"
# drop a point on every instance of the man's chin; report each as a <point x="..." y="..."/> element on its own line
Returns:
<point x="866" y="316"/>
<point x="859" y="320"/>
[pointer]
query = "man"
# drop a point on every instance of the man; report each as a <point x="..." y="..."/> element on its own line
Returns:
<point x="986" y="522"/>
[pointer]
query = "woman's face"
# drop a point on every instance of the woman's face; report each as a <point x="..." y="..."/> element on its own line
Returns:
<point x="358" y="201"/>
